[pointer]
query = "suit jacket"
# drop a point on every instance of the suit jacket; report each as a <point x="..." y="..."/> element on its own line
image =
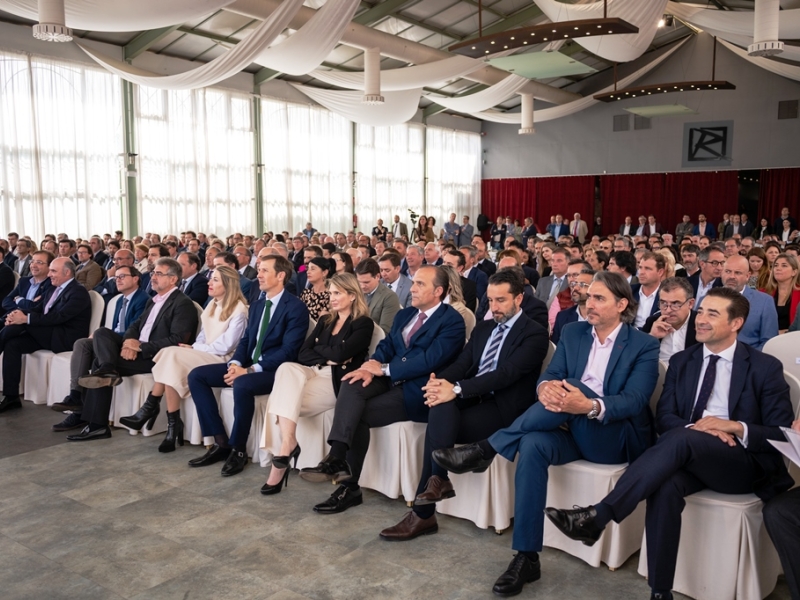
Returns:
<point x="762" y="320"/>
<point x="497" y="236"/>
<point x="403" y="290"/>
<point x="558" y="230"/>
<point x="569" y="315"/>
<point x="528" y="232"/>
<point x="10" y="258"/>
<point x="175" y="324"/>
<point x="433" y="347"/>
<point x="695" y="281"/>
<point x="683" y="229"/>
<point x="23" y="267"/>
<point x="381" y="232"/>
<point x="22" y="290"/>
<point x="101" y="258"/>
<point x="635" y="291"/>
<point x="629" y="381"/>
<point x="691" y="331"/>
<point x="744" y="230"/>
<point x="534" y="309"/>
<point x="250" y="273"/>
<point x="349" y="353"/>
<point x="721" y="228"/>
<point x="383" y="306"/>
<point x="778" y="224"/>
<point x="288" y="325"/>
<point x="631" y="229"/>
<point x="759" y="397"/>
<point x="546" y="285"/>
<point x="90" y="275"/>
<point x="487" y="266"/>
<point x="481" y="280"/>
<point x="470" y="293"/>
<point x="709" y="231"/>
<point x="403" y="230"/>
<point x="518" y="367"/>
<point x="197" y="290"/>
<point x="651" y="229"/>
<point x="133" y="311"/>
<point x="583" y="230"/>
<point x="465" y="237"/>
<point x="66" y="322"/>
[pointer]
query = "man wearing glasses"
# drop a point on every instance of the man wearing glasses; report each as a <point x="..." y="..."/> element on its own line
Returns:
<point x="29" y="290"/>
<point x="128" y="309"/>
<point x="673" y="324"/>
<point x="711" y="260"/>
<point x="169" y="319"/>
<point x="109" y="289"/>
<point x="579" y="281"/>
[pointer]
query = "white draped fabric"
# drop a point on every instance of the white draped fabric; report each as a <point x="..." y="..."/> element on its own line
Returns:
<point x="398" y="107"/>
<point x="196" y="160"/>
<point x="729" y="24"/>
<point x="305" y="49"/>
<point x="222" y="67"/>
<point x="779" y="68"/>
<point x="556" y="112"/>
<point x="485" y="99"/>
<point x="60" y="141"/>
<point x="306" y="151"/>
<point x="120" y="15"/>
<point x="407" y="78"/>
<point x="621" y="48"/>
<point x="454" y="173"/>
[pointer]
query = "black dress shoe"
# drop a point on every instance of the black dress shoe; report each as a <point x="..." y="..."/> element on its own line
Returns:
<point x="10" y="402"/>
<point x="65" y="405"/>
<point x="340" y="500"/>
<point x="215" y="454"/>
<point x="73" y="421"/>
<point x="464" y="459"/>
<point x="520" y="571"/>
<point x="87" y="434"/>
<point x="330" y="469"/>
<point x="578" y="523"/>
<point x="235" y="463"/>
<point x="100" y="378"/>
<point x="661" y="596"/>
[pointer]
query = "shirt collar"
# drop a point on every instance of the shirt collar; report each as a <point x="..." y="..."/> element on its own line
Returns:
<point x="430" y="311"/>
<point x="726" y="354"/>
<point x="160" y="298"/>
<point x="643" y="295"/>
<point x="510" y="323"/>
<point x="610" y="339"/>
<point x="65" y="284"/>
<point x="130" y="296"/>
<point x="276" y="298"/>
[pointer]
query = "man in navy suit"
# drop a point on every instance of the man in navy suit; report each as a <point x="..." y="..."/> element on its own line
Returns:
<point x="389" y="265"/>
<point x="558" y="228"/>
<point x="487" y="387"/>
<point x="708" y="276"/>
<point x="193" y="285"/>
<point x="674" y="323"/>
<point x="579" y="290"/>
<point x="7" y="281"/>
<point x="652" y="268"/>
<point x="472" y="273"/>
<point x="598" y="384"/>
<point x="30" y="290"/>
<point x="128" y="309"/>
<point x="54" y="323"/>
<point x="722" y="401"/>
<point x="424" y="338"/>
<point x="276" y="328"/>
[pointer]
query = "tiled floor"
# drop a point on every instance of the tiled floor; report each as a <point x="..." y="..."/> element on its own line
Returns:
<point x="116" y="519"/>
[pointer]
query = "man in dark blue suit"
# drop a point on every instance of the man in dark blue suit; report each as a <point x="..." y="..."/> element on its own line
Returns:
<point x="193" y="284"/>
<point x="55" y="323"/>
<point x="30" y="290"/>
<point x="722" y="402"/>
<point x="424" y="338"/>
<point x="472" y="273"/>
<point x="652" y="269"/>
<point x="276" y="328"/>
<point x="598" y="384"/>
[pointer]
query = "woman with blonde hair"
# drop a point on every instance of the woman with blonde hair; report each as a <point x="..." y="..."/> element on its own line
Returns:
<point x="455" y="297"/>
<point x="140" y="255"/>
<point x="784" y="286"/>
<point x="308" y="387"/>
<point x="222" y="325"/>
<point x="669" y="259"/>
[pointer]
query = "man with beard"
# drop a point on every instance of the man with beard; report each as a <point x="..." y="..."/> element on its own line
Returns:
<point x="579" y="289"/>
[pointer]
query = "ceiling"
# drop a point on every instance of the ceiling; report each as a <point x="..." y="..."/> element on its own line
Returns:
<point x="435" y="23"/>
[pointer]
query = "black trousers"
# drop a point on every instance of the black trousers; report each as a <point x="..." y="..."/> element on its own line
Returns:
<point x="682" y="462"/>
<point x="782" y="519"/>
<point x="14" y="343"/>
<point x="461" y="421"/>
<point x="107" y="347"/>
<point x="357" y="409"/>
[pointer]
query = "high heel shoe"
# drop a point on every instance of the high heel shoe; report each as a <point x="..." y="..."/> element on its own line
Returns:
<point x="281" y="462"/>
<point x="174" y="432"/>
<point x="146" y="414"/>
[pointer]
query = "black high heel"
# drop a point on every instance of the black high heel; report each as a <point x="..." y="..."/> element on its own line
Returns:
<point x="146" y="414"/>
<point x="281" y="462"/>
<point x="269" y="490"/>
<point x="174" y="432"/>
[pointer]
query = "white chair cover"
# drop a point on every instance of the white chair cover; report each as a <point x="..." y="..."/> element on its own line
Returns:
<point x="226" y="412"/>
<point x="191" y="423"/>
<point x="59" y="378"/>
<point x="129" y="396"/>
<point x="394" y="461"/>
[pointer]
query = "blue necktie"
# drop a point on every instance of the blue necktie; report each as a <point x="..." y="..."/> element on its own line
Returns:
<point x="487" y="364"/>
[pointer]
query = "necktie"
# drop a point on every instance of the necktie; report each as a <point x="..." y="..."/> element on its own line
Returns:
<point x="263" y="332"/>
<point x="575" y="229"/>
<point x="556" y="286"/>
<point x="122" y="311"/>
<point x="417" y="326"/>
<point x="705" y="388"/>
<point x="183" y="284"/>
<point x="389" y="285"/>
<point x="79" y="268"/>
<point x="487" y="364"/>
<point x="52" y="300"/>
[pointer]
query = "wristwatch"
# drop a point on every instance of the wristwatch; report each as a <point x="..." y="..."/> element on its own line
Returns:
<point x="457" y="389"/>
<point x="595" y="412"/>
<point x="385" y="369"/>
<point x="251" y="369"/>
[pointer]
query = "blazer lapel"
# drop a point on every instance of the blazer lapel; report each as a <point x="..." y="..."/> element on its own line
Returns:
<point x="693" y="368"/>
<point x="278" y="311"/>
<point x="741" y="365"/>
<point x="616" y="352"/>
<point x="510" y="341"/>
<point x="584" y="348"/>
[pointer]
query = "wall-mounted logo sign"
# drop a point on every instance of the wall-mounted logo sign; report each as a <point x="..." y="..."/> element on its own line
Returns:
<point x="708" y="145"/>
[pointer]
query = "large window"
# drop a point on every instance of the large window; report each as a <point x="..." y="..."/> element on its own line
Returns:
<point x="454" y="173"/>
<point x="60" y="147"/>
<point x="196" y="161"/>
<point x="307" y="171"/>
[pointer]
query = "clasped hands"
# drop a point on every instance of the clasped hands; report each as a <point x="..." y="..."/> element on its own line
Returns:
<point x="438" y="391"/>
<point x="130" y="349"/>
<point x="725" y="429"/>
<point x="561" y="396"/>
<point x="16" y="317"/>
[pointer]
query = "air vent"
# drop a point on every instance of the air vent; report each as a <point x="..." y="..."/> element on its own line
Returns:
<point x="622" y="123"/>
<point x="787" y="109"/>
<point x="640" y="122"/>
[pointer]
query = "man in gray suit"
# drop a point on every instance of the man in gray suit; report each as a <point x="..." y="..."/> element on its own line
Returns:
<point x="557" y="281"/>
<point x="467" y="231"/>
<point x="398" y="229"/>
<point x="389" y="265"/>
<point x="383" y="303"/>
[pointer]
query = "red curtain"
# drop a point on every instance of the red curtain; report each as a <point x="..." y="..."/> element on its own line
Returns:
<point x="712" y="193"/>
<point x="508" y="197"/>
<point x="779" y="188"/>
<point x="630" y="196"/>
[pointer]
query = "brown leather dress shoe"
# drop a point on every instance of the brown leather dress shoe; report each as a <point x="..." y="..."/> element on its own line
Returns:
<point x="410" y="527"/>
<point x="436" y="489"/>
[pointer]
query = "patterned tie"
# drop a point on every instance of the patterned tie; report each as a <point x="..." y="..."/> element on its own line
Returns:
<point x="122" y="312"/>
<point x="417" y="326"/>
<point x="705" y="388"/>
<point x="263" y="332"/>
<point x="389" y="285"/>
<point x="487" y="364"/>
<point x="556" y="286"/>
<point x="183" y="285"/>
<point x="52" y="300"/>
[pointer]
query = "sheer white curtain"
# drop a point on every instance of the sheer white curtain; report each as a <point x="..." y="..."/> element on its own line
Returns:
<point x="454" y="174"/>
<point x="195" y="161"/>
<point x="390" y="173"/>
<point x="306" y="151"/>
<point x="60" y="147"/>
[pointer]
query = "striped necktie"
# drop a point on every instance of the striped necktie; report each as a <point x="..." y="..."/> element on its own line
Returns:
<point x="487" y="364"/>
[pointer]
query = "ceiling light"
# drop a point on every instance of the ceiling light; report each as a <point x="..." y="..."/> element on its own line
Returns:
<point x="650" y="89"/>
<point x="52" y="22"/>
<point x="661" y="22"/>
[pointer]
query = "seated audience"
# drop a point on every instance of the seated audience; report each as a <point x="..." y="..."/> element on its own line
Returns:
<point x="455" y="299"/>
<point x="390" y="267"/>
<point x="759" y="270"/>
<point x="784" y="286"/>
<point x="579" y="290"/>
<point x="711" y="260"/>
<point x="456" y="260"/>
<point x="316" y="297"/>
<point x="556" y="282"/>
<point x="87" y="273"/>
<point x="344" y="264"/>
<point x="193" y="286"/>
<point x="30" y="290"/>
<point x="624" y="263"/>
<point x="383" y="304"/>
<point x="673" y="324"/>
<point x="651" y="273"/>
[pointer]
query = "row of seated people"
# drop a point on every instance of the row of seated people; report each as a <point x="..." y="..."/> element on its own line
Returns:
<point x="598" y="383"/>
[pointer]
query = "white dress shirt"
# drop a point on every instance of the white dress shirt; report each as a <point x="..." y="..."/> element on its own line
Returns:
<point x="645" y="307"/>
<point x="673" y="342"/>
<point x="158" y="303"/>
<point x="275" y="299"/>
<point x="596" y="366"/>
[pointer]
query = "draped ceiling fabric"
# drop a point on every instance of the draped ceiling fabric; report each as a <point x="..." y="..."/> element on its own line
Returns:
<point x="397" y="108"/>
<point x="779" y="68"/>
<point x="121" y="15"/>
<point x="556" y="112"/>
<point x="621" y="48"/>
<point x="305" y="49"/>
<point x="485" y="99"/>
<point x="220" y="68"/>
<point x="407" y="78"/>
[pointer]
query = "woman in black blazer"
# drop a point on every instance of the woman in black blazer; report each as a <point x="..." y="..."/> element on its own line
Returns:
<point x="763" y="230"/>
<point x="338" y="344"/>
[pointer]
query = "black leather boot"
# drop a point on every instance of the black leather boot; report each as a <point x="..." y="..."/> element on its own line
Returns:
<point x="174" y="432"/>
<point x="146" y="414"/>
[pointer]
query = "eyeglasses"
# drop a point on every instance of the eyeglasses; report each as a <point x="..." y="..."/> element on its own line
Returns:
<point x="122" y="276"/>
<point x="38" y="262"/>
<point x="580" y="284"/>
<point x="157" y="274"/>
<point x="715" y="263"/>
<point x="664" y="305"/>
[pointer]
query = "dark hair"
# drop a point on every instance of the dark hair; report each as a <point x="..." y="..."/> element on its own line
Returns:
<point x="330" y="247"/>
<point x="705" y="253"/>
<point x="174" y="268"/>
<point x="368" y="266"/>
<point x="691" y="248"/>
<point x="229" y="259"/>
<point x="133" y="271"/>
<point x="87" y="247"/>
<point x="315" y="249"/>
<point x="322" y="263"/>
<point x="677" y="283"/>
<point x="282" y="265"/>
<point x="579" y="261"/>
<point x="346" y="259"/>
<point x="114" y="243"/>
<point x="602" y="257"/>
<point x="515" y="244"/>
<point x="390" y="257"/>
<point x="49" y="257"/>
<point x="162" y="249"/>
<point x="440" y="278"/>
<point x="738" y="305"/>
<point x="513" y="276"/>
<point x="462" y="262"/>
<point x="661" y="262"/>
<point x="625" y="260"/>
<point x="620" y="289"/>
<point x="193" y="259"/>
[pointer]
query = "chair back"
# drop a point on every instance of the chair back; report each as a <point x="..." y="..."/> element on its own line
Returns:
<point x="469" y="322"/>
<point x="111" y="308"/>
<point x="656" y="395"/>
<point x="786" y="348"/>
<point x="551" y="350"/>
<point x="794" y="392"/>
<point x="199" y="315"/>
<point x="98" y="305"/>
<point x="311" y="324"/>
<point x="377" y="335"/>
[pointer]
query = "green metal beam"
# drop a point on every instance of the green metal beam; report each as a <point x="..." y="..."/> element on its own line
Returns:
<point x="131" y="205"/>
<point x="379" y="11"/>
<point x="144" y="40"/>
<point x="518" y="18"/>
<point x="264" y="75"/>
<point x="259" y="166"/>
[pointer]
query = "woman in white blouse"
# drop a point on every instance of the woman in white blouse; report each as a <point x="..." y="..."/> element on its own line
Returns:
<point x="223" y="323"/>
